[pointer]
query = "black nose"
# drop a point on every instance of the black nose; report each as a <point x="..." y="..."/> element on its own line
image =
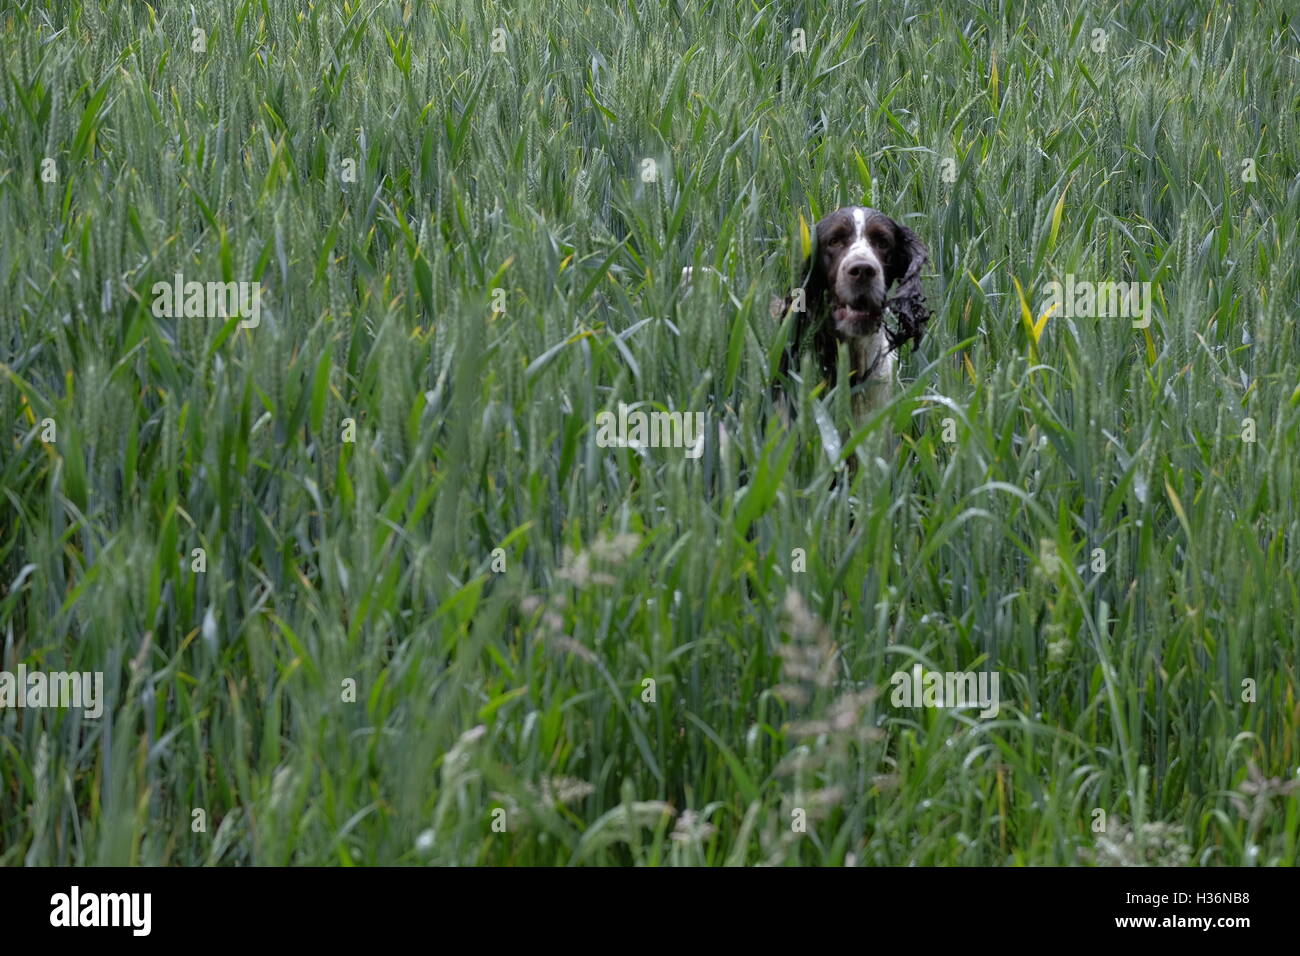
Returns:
<point x="861" y="270"/>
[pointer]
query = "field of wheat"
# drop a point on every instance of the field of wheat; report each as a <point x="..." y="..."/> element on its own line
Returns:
<point x="363" y="587"/>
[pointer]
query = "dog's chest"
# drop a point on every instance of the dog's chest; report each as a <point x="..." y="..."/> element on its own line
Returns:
<point x="874" y="363"/>
<point x="872" y="359"/>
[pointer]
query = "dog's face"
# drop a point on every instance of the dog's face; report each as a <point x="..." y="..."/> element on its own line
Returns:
<point x="859" y="254"/>
<point x="862" y="264"/>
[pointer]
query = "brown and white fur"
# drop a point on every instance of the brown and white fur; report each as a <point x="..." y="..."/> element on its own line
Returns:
<point x="858" y="255"/>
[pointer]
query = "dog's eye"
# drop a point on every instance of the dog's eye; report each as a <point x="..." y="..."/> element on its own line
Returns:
<point x="835" y="242"/>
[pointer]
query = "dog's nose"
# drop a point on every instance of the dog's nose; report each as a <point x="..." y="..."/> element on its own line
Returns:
<point x="861" y="270"/>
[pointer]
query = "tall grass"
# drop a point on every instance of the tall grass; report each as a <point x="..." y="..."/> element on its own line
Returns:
<point x="1097" y="531"/>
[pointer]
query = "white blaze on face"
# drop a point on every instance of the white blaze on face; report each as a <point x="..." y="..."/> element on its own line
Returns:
<point x="860" y="255"/>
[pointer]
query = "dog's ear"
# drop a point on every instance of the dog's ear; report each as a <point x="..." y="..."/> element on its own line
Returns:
<point x="809" y="291"/>
<point x="908" y="300"/>
<point x="803" y="298"/>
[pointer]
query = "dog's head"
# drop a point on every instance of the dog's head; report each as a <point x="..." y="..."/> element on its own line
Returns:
<point x="858" y="256"/>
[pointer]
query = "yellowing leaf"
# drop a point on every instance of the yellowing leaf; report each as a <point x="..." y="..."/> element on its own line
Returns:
<point x="1178" y="508"/>
<point x="1056" y="217"/>
<point x="993" y="81"/>
<point x="1042" y="322"/>
<point x="1026" y="317"/>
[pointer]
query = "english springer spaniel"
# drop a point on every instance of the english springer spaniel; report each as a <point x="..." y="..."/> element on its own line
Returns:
<point x="858" y="255"/>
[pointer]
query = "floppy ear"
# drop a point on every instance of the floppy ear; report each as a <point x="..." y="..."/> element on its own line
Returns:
<point x="780" y="308"/>
<point x="811" y="285"/>
<point x="810" y="332"/>
<point x="804" y="298"/>
<point x="908" y="300"/>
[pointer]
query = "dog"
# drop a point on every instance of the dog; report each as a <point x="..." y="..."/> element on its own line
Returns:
<point x="858" y="255"/>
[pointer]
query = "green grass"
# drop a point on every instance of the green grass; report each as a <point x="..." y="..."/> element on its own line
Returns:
<point x="522" y="689"/>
